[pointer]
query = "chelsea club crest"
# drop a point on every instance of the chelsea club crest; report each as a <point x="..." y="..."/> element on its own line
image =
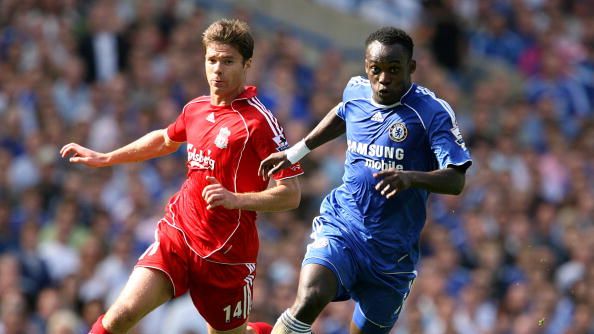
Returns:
<point x="398" y="132"/>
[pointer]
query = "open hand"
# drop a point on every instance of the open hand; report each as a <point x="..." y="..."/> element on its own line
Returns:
<point x="392" y="181"/>
<point x="82" y="155"/>
<point x="216" y="195"/>
<point x="273" y="164"/>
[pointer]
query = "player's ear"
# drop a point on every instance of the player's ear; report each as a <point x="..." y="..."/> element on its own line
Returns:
<point x="247" y="64"/>
<point x="412" y="66"/>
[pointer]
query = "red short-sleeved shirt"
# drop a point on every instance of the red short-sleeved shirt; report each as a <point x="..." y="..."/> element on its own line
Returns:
<point x="227" y="142"/>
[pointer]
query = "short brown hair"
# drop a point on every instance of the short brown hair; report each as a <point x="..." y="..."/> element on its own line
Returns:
<point x="232" y="32"/>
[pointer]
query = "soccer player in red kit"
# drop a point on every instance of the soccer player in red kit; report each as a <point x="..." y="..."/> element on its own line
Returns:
<point x="207" y="241"/>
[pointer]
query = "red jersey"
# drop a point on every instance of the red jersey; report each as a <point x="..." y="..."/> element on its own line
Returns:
<point x="227" y="142"/>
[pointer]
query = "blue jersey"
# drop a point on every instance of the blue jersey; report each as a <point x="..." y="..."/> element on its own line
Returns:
<point x="417" y="133"/>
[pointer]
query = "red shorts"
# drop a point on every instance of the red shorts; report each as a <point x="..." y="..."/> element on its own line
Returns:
<point x="222" y="293"/>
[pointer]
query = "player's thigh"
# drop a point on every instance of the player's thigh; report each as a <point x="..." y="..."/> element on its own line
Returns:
<point x="170" y="255"/>
<point x="223" y="294"/>
<point x="159" y="275"/>
<point x="331" y="249"/>
<point x="379" y="303"/>
<point x="318" y="286"/>
<point x="145" y="290"/>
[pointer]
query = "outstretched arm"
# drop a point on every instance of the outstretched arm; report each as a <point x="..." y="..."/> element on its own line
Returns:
<point x="444" y="181"/>
<point x="153" y="144"/>
<point x="285" y="195"/>
<point x="330" y="127"/>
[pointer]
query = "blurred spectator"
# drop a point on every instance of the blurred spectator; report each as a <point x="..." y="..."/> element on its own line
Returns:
<point x="34" y="270"/>
<point x="72" y="95"/>
<point x="47" y="304"/>
<point x="496" y="40"/>
<point x="13" y="314"/>
<point x="59" y="242"/>
<point x="63" y="322"/>
<point x="103" y="49"/>
<point x="448" y="43"/>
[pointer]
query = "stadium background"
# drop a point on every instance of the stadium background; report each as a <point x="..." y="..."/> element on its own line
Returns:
<point x="512" y="254"/>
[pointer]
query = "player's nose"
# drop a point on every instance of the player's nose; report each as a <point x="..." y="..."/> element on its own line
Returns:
<point x="385" y="78"/>
<point x="217" y="67"/>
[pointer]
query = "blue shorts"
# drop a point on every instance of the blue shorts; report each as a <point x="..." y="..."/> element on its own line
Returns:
<point x="378" y="295"/>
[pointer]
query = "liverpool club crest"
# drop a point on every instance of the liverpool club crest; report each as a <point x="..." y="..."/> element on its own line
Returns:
<point x="222" y="138"/>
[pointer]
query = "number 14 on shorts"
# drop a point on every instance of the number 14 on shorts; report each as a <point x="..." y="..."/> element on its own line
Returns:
<point x="242" y="308"/>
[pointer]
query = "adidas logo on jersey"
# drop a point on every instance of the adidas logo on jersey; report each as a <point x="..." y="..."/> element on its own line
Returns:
<point x="210" y="117"/>
<point x="378" y="117"/>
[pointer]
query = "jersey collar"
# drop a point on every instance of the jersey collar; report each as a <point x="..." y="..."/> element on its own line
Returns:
<point x="412" y="88"/>
<point x="248" y="93"/>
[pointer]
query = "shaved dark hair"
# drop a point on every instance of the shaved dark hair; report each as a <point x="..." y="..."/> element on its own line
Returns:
<point x="391" y="36"/>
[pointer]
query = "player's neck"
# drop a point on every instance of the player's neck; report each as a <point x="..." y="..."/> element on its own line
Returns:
<point x="222" y="100"/>
<point x="406" y="89"/>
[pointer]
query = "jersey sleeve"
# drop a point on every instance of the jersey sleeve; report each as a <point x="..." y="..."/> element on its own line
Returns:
<point x="357" y="88"/>
<point x="446" y="139"/>
<point x="340" y="111"/>
<point x="176" y="131"/>
<point x="269" y="138"/>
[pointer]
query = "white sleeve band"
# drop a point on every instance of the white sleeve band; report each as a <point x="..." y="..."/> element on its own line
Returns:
<point x="297" y="151"/>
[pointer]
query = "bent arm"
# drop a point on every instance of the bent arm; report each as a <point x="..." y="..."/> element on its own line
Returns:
<point x="330" y="127"/>
<point x="153" y="144"/>
<point x="284" y="195"/>
<point x="443" y="181"/>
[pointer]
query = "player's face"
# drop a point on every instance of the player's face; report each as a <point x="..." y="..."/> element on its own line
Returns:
<point x="388" y="68"/>
<point x="225" y="70"/>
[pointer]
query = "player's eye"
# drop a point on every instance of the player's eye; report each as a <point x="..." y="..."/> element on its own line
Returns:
<point x="394" y="70"/>
<point x="228" y="62"/>
<point x="375" y="70"/>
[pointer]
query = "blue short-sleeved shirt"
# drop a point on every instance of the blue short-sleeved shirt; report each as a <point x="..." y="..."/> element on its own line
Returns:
<point x="417" y="133"/>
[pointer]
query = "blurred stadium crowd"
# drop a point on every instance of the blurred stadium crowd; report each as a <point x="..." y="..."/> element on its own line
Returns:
<point x="513" y="254"/>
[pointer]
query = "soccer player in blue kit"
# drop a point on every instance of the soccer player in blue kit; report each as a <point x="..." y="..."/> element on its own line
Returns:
<point x="403" y="143"/>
